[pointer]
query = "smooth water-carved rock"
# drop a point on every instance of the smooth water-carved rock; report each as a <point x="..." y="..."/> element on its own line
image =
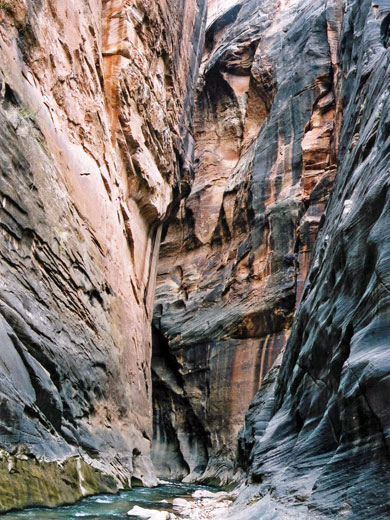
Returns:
<point x="323" y="446"/>
<point x="95" y="101"/>
<point x="234" y="259"/>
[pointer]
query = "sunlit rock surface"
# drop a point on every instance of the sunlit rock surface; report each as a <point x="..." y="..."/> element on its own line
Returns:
<point x="234" y="259"/>
<point x="95" y="104"/>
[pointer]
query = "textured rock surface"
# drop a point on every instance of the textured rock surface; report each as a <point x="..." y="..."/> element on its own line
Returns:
<point x="94" y="154"/>
<point x="234" y="259"/>
<point x="95" y="101"/>
<point x="26" y="481"/>
<point x="323" y="446"/>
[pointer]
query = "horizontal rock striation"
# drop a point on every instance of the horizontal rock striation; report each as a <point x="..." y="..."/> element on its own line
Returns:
<point x="317" y="439"/>
<point x="235" y="256"/>
<point x="95" y="101"/>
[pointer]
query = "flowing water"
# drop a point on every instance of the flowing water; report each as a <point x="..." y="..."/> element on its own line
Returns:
<point x="112" y="507"/>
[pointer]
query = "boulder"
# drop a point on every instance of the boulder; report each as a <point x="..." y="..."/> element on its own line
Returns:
<point x="148" y="514"/>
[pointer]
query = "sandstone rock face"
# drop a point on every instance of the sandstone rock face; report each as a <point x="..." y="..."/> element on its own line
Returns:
<point x="318" y="441"/>
<point x="95" y="103"/>
<point x="234" y="259"/>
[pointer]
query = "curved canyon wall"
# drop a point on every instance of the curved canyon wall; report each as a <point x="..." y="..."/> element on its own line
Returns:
<point x="95" y="105"/>
<point x="234" y="258"/>
<point x="257" y="258"/>
<point x="316" y="440"/>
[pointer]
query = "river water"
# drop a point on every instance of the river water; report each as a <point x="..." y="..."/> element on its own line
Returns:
<point x="112" y="507"/>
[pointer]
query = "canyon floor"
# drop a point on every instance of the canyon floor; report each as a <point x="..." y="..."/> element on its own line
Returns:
<point x="168" y="501"/>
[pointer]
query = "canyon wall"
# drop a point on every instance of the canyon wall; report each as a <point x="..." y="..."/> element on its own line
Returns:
<point x="98" y="166"/>
<point x="316" y="441"/>
<point x="234" y="258"/>
<point x="95" y="105"/>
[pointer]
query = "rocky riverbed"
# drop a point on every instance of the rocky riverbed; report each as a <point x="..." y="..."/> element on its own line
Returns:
<point x="167" y="501"/>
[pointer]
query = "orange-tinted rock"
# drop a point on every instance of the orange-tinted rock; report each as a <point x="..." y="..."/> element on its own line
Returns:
<point x="95" y="105"/>
<point x="265" y="133"/>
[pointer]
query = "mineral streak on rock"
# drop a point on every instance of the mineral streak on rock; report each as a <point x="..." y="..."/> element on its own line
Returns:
<point x="95" y="103"/>
<point x="234" y="258"/>
<point x="317" y="442"/>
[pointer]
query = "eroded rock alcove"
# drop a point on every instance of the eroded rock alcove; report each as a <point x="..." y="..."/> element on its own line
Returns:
<point x="234" y="259"/>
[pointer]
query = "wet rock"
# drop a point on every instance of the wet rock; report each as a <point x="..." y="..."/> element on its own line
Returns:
<point x="180" y="502"/>
<point x="148" y="514"/>
<point x="22" y="476"/>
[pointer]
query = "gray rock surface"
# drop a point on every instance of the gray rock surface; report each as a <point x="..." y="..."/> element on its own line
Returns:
<point x="326" y="445"/>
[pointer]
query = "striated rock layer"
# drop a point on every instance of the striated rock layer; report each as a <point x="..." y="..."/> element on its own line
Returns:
<point x="317" y="437"/>
<point x="234" y="259"/>
<point x="95" y="104"/>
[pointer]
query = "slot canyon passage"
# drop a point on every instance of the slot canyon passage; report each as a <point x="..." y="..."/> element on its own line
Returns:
<point x="195" y="252"/>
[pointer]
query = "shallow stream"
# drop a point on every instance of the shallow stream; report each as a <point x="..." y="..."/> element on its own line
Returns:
<point x="112" y="507"/>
